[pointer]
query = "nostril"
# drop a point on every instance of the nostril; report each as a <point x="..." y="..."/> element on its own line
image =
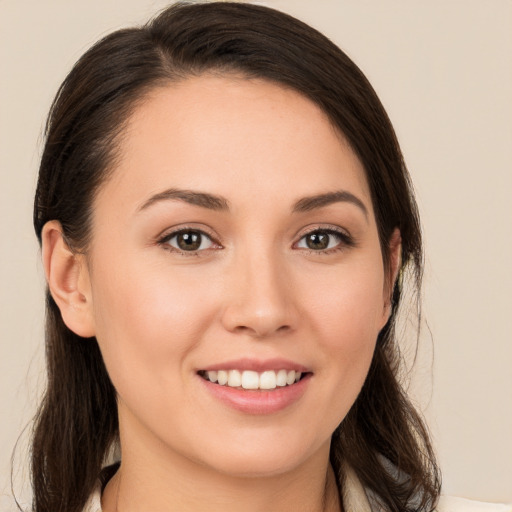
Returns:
<point x="260" y="315"/>
<point x="261" y="330"/>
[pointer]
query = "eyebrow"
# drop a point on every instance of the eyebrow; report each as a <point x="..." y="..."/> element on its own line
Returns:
<point x="219" y="203"/>
<point x="210" y="201"/>
<point x="306" y="204"/>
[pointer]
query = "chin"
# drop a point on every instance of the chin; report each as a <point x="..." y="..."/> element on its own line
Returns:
<point x="261" y="466"/>
<point x="263" y="459"/>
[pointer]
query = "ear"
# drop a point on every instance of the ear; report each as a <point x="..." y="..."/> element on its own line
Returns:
<point x="394" y="263"/>
<point x="67" y="276"/>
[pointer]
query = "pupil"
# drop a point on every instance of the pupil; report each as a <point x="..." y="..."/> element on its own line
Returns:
<point x="318" y="241"/>
<point x="189" y="241"/>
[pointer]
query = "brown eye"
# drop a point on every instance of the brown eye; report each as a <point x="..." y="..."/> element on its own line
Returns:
<point x="322" y="240"/>
<point x="317" y="241"/>
<point x="190" y="240"/>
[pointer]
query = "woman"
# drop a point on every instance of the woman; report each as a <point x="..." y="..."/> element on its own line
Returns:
<point x="226" y="224"/>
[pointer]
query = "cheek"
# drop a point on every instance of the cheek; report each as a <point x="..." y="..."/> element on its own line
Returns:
<point x="147" y="322"/>
<point x="348" y="309"/>
<point x="346" y="319"/>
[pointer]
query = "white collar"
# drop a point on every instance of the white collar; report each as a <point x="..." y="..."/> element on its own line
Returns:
<point x="354" y="495"/>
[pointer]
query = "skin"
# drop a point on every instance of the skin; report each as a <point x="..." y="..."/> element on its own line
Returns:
<point x="254" y="289"/>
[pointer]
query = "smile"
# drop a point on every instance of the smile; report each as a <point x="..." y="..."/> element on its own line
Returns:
<point x="252" y="380"/>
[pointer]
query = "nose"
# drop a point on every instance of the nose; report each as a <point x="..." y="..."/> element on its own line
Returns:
<point x="261" y="300"/>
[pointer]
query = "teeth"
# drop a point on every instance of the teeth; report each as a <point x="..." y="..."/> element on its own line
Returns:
<point x="250" y="380"/>
<point x="253" y="380"/>
<point x="222" y="377"/>
<point x="281" y="378"/>
<point x="268" y="380"/>
<point x="234" y="379"/>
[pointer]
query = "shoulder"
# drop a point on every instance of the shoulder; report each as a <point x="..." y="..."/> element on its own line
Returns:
<point x="451" y="504"/>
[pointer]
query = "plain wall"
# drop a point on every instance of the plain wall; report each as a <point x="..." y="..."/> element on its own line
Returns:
<point x="443" y="70"/>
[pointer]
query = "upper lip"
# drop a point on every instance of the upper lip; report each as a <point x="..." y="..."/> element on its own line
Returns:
<point x="257" y="365"/>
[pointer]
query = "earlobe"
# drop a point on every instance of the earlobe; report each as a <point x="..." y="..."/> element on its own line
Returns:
<point x="68" y="280"/>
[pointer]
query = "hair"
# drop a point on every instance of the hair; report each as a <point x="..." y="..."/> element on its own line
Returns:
<point x="382" y="438"/>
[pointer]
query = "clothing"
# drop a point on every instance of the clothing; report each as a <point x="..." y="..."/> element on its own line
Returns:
<point x="451" y="504"/>
<point x="355" y="500"/>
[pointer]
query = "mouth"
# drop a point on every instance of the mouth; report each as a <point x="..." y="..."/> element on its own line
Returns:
<point x="256" y="387"/>
<point x="251" y="380"/>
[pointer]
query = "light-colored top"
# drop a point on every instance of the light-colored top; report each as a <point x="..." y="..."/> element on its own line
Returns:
<point x="355" y="500"/>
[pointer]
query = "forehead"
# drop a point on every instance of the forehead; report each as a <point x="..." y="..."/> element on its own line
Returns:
<point x="237" y="137"/>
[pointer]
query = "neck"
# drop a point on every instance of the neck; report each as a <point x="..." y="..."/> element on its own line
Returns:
<point x="177" y="485"/>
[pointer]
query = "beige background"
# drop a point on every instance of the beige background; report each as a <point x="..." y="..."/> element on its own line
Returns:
<point x="443" y="69"/>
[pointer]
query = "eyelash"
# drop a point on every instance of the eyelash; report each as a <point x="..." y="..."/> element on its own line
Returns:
<point x="345" y="241"/>
<point x="164" y="241"/>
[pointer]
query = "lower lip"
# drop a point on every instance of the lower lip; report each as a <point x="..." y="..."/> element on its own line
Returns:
<point x="258" y="402"/>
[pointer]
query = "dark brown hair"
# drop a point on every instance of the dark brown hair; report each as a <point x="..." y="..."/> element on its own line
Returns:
<point x="382" y="438"/>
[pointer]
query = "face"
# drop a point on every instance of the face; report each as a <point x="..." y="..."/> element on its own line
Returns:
<point x="235" y="240"/>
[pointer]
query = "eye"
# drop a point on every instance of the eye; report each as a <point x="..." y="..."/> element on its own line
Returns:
<point x="324" y="240"/>
<point x="188" y="240"/>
